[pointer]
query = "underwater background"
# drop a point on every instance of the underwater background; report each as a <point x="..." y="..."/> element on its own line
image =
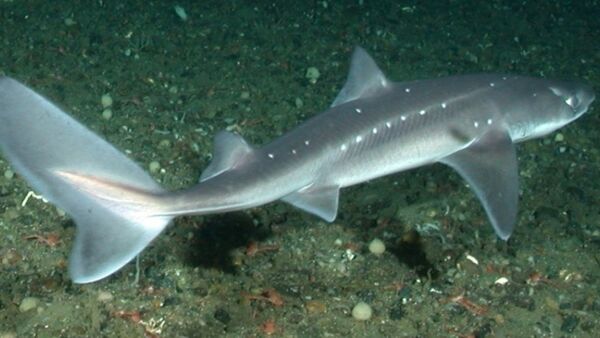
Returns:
<point x="178" y="72"/>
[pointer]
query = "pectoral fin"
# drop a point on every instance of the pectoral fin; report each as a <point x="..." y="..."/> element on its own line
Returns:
<point x="490" y="166"/>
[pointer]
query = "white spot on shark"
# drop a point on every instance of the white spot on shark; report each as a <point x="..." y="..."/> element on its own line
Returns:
<point x="388" y="124"/>
<point x="271" y="155"/>
<point x="407" y="90"/>
<point x="422" y="112"/>
<point x="358" y="110"/>
<point x="489" y="121"/>
<point x="294" y="151"/>
<point x="374" y="130"/>
<point x="358" y="139"/>
<point x="307" y="142"/>
<point x="444" y="105"/>
<point x="476" y="124"/>
<point x="344" y="147"/>
<point x="403" y="118"/>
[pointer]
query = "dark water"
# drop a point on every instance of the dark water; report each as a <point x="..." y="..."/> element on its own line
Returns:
<point x="242" y="66"/>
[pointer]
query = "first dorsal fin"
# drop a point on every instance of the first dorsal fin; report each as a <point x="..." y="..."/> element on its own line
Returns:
<point x="364" y="79"/>
<point x="229" y="149"/>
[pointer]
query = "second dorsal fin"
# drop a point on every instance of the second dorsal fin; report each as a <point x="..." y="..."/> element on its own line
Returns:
<point x="229" y="149"/>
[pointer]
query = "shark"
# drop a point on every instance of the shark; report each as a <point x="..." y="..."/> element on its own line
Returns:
<point x="374" y="127"/>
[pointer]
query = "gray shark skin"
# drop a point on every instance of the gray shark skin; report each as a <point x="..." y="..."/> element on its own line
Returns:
<point x="374" y="127"/>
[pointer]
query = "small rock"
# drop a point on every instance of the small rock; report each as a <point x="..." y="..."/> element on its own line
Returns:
<point x="106" y="101"/>
<point x="312" y="74"/>
<point x="154" y="167"/>
<point x="164" y="144"/>
<point x="181" y="13"/>
<point x="9" y="174"/>
<point x="315" y="307"/>
<point x="377" y="247"/>
<point x="70" y="22"/>
<point x="105" y="296"/>
<point x="8" y="334"/>
<point x="28" y="303"/>
<point x="107" y="114"/>
<point x="10" y="257"/>
<point x="362" y="311"/>
<point x="559" y="137"/>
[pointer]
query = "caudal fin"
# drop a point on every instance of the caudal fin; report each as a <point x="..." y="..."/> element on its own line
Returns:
<point x="112" y="200"/>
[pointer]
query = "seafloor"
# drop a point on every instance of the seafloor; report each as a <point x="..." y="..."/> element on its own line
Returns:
<point x="241" y="66"/>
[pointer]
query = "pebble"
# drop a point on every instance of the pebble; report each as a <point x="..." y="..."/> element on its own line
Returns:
<point x="28" y="303"/>
<point x="9" y="174"/>
<point x="8" y="334"/>
<point x="105" y="296"/>
<point x="362" y="311"/>
<point x="154" y="166"/>
<point x="551" y="304"/>
<point x="315" y="307"/>
<point x="106" y="101"/>
<point x="70" y="22"/>
<point x="181" y="13"/>
<point x="10" y="258"/>
<point x="312" y="74"/>
<point x="559" y="137"/>
<point x="107" y="114"/>
<point x="61" y="212"/>
<point x="164" y="144"/>
<point x="377" y="247"/>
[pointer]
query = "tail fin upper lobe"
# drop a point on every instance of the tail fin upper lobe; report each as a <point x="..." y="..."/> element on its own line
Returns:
<point x="42" y="143"/>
